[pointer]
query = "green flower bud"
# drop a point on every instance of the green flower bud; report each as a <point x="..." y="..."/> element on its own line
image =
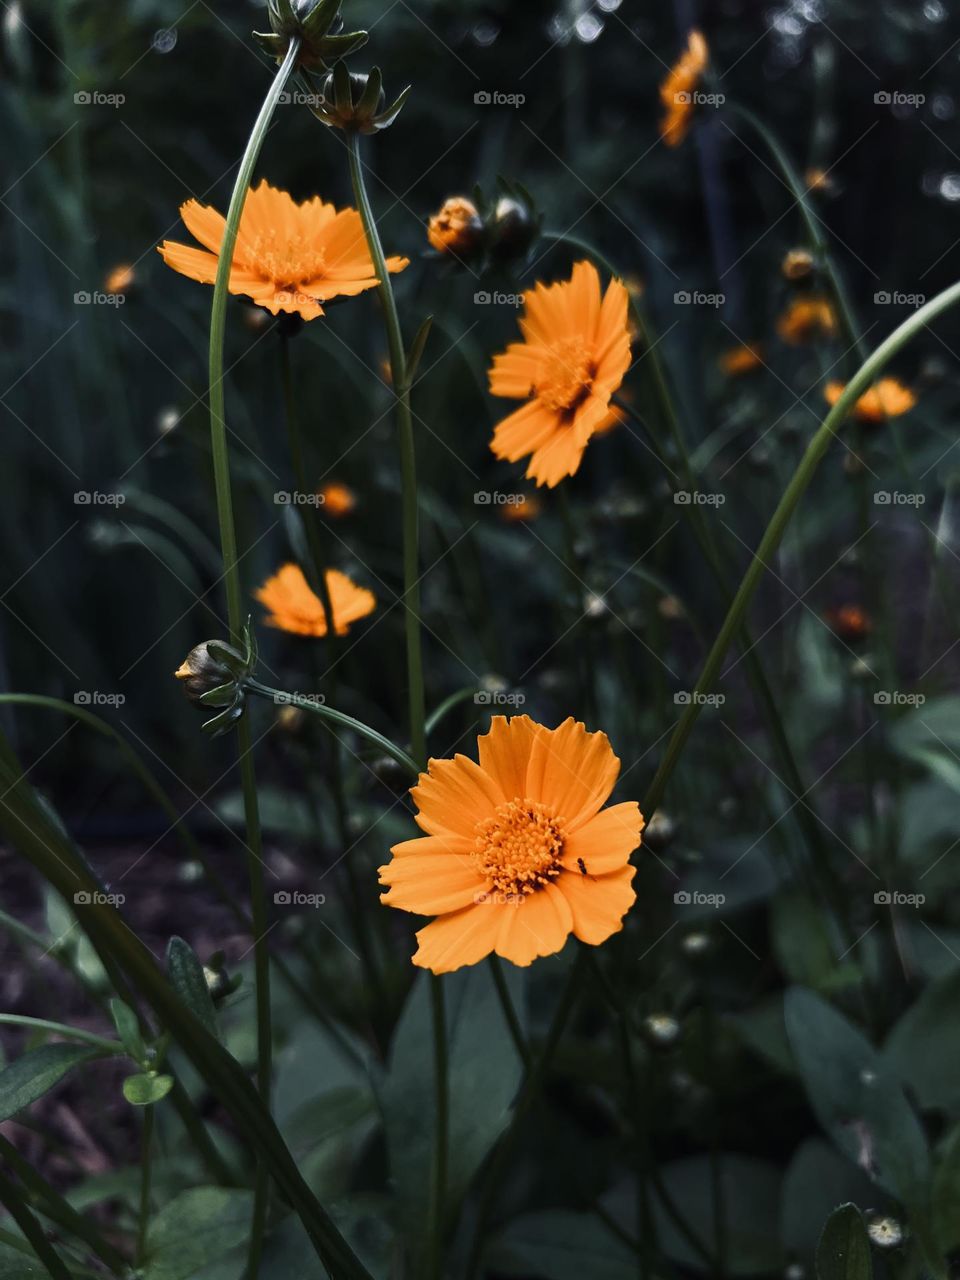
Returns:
<point x="316" y="24"/>
<point x="213" y="675"/>
<point x="355" y="102"/>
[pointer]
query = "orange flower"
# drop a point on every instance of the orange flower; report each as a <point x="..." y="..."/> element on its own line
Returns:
<point x="457" y="228"/>
<point x="338" y="500"/>
<point x="295" y="607"/>
<point x="740" y="359"/>
<point x="677" y="90"/>
<point x="850" y="622"/>
<point x="818" y="180"/>
<point x="887" y="399"/>
<point x="119" y="279"/>
<point x="289" y="257"/>
<point x="519" y="852"/>
<point x="528" y="508"/>
<point x="797" y="264"/>
<point x="807" y="318"/>
<point x="575" y="353"/>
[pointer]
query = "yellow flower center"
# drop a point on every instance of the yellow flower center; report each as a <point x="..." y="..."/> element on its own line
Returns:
<point x="286" y="260"/>
<point x="568" y="376"/>
<point x="520" y="847"/>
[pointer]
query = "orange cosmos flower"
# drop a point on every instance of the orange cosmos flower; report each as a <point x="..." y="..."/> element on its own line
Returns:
<point x="457" y="227"/>
<point x="887" y="399"/>
<point x="575" y="353"/>
<point x="528" y="508"/>
<point x="120" y="279"/>
<point x="519" y="852"/>
<point x="289" y="257"/>
<point x="807" y="318"/>
<point x="742" y="359"/>
<point x="295" y="607"/>
<point x="338" y="500"/>
<point x="677" y="90"/>
<point x="818" y="180"/>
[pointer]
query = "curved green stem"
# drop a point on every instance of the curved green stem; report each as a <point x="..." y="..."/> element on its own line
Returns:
<point x="770" y="541"/>
<point x="447" y="705"/>
<point x="336" y="717"/>
<point x="61" y="1029"/>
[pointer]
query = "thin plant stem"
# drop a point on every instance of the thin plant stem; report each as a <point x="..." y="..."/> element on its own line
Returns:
<point x="146" y="1174"/>
<point x="452" y="700"/>
<point x="231" y="571"/>
<point x="776" y="528"/>
<point x="14" y="1203"/>
<point x="509" y="1012"/>
<point x="42" y="1024"/>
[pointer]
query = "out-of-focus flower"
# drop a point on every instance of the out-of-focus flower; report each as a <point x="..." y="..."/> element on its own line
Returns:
<point x="797" y="264"/>
<point x="289" y="257"/>
<point x="818" y="180"/>
<point x="295" y="607"/>
<point x="457" y="228"/>
<point x="849" y="621"/>
<point x="120" y="279"/>
<point x="338" y="499"/>
<point x="807" y="318"/>
<point x="519" y="852"/>
<point x="888" y="398"/>
<point x="678" y="89"/>
<point x="575" y="354"/>
<point x="738" y="360"/>
<point x="528" y="508"/>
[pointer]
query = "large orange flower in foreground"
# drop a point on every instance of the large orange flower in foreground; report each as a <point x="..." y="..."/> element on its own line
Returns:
<point x="677" y="90"/>
<point x="294" y="606"/>
<point x="519" y="852"/>
<point x="575" y="353"/>
<point x="289" y="256"/>
<point x="887" y="399"/>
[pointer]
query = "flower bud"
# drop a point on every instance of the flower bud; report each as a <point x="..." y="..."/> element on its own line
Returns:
<point x="514" y="227"/>
<point x="316" y="24"/>
<point x="797" y="264"/>
<point x="457" y="228"/>
<point x="205" y="669"/>
<point x="355" y="102"/>
<point x="214" y="674"/>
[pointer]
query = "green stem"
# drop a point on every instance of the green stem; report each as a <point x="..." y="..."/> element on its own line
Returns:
<point x="775" y="530"/>
<point x="509" y="1012"/>
<point x="13" y="1202"/>
<point x="61" y="1029"/>
<point x="408" y="464"/>
<point x="336" y="717"/>
<point x="447" y="705"/>
<point x="53" y="1206"/>
<point x="438" y="1173"/>
<point x="146" y="1173"/>
<point x="235" y="613"/>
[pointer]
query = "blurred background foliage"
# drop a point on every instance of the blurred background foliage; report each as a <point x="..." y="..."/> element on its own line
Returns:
<point x="106" y="599"/>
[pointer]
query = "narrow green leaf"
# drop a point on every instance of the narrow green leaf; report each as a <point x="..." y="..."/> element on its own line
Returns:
<point x="844" y="1249"/>
<point x="415" y="354"/>
<point x="190" y="983"/>
<point x="34" y="1073"/>
<point x="128" y="1029"/>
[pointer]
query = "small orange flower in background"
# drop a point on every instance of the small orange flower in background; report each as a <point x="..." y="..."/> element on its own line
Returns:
<point x="294" y="606"/>
<point x="677" y="90"/>
<point x="818" y="180"/>
<point x="887" y="399"/>
<point x="797" y="264"/>
<point x="457" y="228"/>
<point x="738" y="360"/>
<point x="575" y="354"/>
<point x="849" y="622"/>
<point x="519" y="851"/>
<point x="807" y="318"/>
<point x="338" y="499"/>
<point x="528" y="508"/>
<point x="119" y="279"/>
<point x="289" y="257"/>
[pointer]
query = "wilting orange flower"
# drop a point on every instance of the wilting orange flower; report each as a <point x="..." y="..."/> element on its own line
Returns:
<point x="849" y="621"/>
<point x="740" y="359"/>
<point x="338" y="500"/>
<point x="807" y="318"/>
<point x="519" y="852"/>
<point x="294" y="606"/>
<point x="575" y="353"/>
<point x="677" y="90"/>
<point x="119" y="279"/>
<point x="289" y="257"/>
<point x="457" y="227"/>
<point x="886" y="399"/>
<point x="528" y="508"/>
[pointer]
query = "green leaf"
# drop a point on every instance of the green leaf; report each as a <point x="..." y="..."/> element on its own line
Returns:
<point x="194" y="1230"/>
<point x="128" y="1029"/>
<point x="803" y="944"/>
<point x="818" y="1178"/>
<point x="844" y="1249"/>
<point x="924" y="1046"/>
<point x="560" y="1245"/>
<point x="34" y="1073"/>
<point x="856" y="1098"/>
<point x="189" y="982"/>
<point x="417" y="347"/>
<point x="144" y="1089"/>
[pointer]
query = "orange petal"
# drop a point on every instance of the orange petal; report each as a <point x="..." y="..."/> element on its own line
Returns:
<point x="453" y="796"/>
<point x="463" y="937"/>
<point x="557" y="458"/>
<point x="195" y="263"/>
<point x="539" y="925"/>
<point x="431" y="883"/>
<point x="523" y="431"/>
<point x="204" y="223"/>
<point x="514" y="372"/>
<point x="505" y="751"/>
<point x="572" y="771"/>
<point x="598" y="906"/>
<point x="606" y="841"/>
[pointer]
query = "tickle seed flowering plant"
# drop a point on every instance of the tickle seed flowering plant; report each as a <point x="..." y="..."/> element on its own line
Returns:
<point x="467" y="996"/>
